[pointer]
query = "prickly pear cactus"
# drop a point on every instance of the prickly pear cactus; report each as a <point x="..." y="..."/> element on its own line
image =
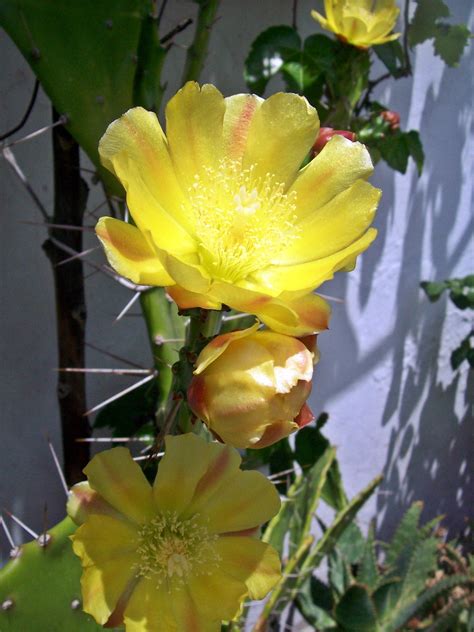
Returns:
<point x="40" y="587"/>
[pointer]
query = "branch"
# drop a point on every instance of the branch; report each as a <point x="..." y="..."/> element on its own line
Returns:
<point x="198" y="50"/>
<point x="26" y="115"/>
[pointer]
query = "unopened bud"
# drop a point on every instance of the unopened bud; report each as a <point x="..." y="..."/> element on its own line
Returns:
<point x="325" y="135"/>
<point x="392" y="118"/>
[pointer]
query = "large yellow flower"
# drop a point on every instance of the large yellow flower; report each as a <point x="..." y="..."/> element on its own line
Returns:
<point x="179" y="556"/>
<point x="362" y="23"/>
<point x="223" y="213"/>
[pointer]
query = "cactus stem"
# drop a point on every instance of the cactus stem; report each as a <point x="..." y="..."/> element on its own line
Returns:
<point x="58" y="467"/>
<point x="21" y="524"/>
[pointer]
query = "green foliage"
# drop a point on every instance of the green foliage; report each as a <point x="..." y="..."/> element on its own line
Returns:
<point x="461" y="293"/>
<point x="410" y="583"/>
<point x="42" y="585"/>
<point x="449" y="39"/>
<point x="89" y="57"/>
<point x="392" y="56"/>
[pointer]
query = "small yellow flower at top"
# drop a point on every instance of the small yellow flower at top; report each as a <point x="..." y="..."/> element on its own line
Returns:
<point x="224" y="213"/>
<point x="180" y="556"/>
<point x="362" y="23"/>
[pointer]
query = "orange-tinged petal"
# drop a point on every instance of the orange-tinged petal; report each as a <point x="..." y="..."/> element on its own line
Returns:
<point x="130" y="254"/>
<point x="282" y="131"/>
<point x="310" y="275"/>
<point x="149" y="609"/>
<point x="251" y="561"/>
<point x="187" y="615"/>
<point x="103" y="586"/>
<point x="135" y="144"/>
<point x="248" y="500"/>
<point x="188" y="274"/>
<point x="103" y="538"/>
<point x="274" y="432"/>
<point x="217" y="595"/>
<point x="194" y="119"/>
<point x="219" y="344"/>
<point x="120" y="481"/>
<point x="185" y="462"/>
<point x="84" y="501"/>
<point x="293" y="361"/>
<point x="334" y="226"/>
<point x="185" y="299"/>
<point x="239" y="111"/>
<point x="340" y="164"/>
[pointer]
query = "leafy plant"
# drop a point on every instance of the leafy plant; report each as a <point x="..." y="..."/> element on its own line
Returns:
<point x="416" y="581"/>
<point x="461" y="293"/>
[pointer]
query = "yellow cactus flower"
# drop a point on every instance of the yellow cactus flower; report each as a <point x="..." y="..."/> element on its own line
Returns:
<point x="250" y="387"/>
<point x="362" y="23"/>
<point x="178" y="556"/>
<point x="223" y="213"/>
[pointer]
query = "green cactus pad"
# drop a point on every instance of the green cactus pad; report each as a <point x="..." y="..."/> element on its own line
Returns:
<point x="40" y="589"/>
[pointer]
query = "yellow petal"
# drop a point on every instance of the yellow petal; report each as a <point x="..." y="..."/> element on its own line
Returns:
<point x="188" y="274"/>
<point x="84" y="501"/>
<point x="335" y="226"/>
<point x="217" y="595"/>
<point x="185" y="462"/>
<point x="149" y="609"/>
<point x="130" y="254"/>
<point x="103" y="586"/>
<point x="187" y="615"/>
<point x="332" y="171"/>
<point x="239" y="111"/>
<point x="248" y="500"/>
<point x="135" y="149"/>
<point x="322" y="20"/>
<point x="219" y="344"/>
<point x="274" y="432"/>
<point x="120" y="481"/>
<point x="281" y="133"/>
<point x="103" y="538"/>
<point x="185" y="299"/>
<point x="310" y="275"/>
<point x="194" y="119"/>
<point x="251" y="561"/>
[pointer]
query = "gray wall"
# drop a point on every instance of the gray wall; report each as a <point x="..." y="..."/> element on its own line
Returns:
<point x="384" y="377"/>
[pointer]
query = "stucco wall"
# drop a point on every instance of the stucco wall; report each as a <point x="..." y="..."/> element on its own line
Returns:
<point x="394" y="403"/>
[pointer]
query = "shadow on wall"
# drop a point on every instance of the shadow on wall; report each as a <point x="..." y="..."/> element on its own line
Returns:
<point x="427" y="455"/>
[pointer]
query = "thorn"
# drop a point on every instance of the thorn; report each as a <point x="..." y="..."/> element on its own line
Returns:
<point x="334" y="299"/>
<point x="80" y="254"/>
<point x="148" y="456"/>
<point x="21" y="524"/>
<point x="235" y="317"/>
<point x="61" y="121"/>
<point x="114" y="439"/>
<point x="112" y="371"/>
<point x="113" y="355"/>
<point x="118" y="395"/>
<point x="58" y="467"/>
<point x="130" y="303"/>
<point x="10" y="158"/>
<point x="7" y="604"/>
<point x="7" y="533"/>
<point x="75" y="604"/>
<point x="59" y="226"/>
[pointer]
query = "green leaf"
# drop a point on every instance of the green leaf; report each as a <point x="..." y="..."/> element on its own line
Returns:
<point x="422" y="564"/>
<point x="356" y="611"/>
<point x="391" y="55"/>
<point x="433" y="289"/>
<point x="450" y="41"/>
<point x="462" y="300"/>
<point x="352" y="544"/>
<point x="446" y="622"/>
<point x="385" y="597"/>
<point x="126" y="415"/>
<point x="268" y="53"/>
<point x="315" y="602"/>
<point x="415" y="149"/>
<point x="464" y="352"/>
<point x="368" y="572"/>
<point x="339" y="574"/>
<point x="406" y="534"/>
<point x="84" y="54"/>
<point x="423" y="25"/>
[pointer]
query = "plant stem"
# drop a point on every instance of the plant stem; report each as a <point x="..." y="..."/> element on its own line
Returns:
<point x="70" y="195"/>
<point x="198" y="50"/>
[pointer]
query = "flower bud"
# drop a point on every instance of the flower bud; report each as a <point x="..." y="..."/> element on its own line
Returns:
<point x="250" y="387"/>
<point x="392" y="118"/>
<point x="325" y="135"/>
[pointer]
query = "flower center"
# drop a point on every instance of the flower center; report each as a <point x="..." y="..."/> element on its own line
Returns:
<point x="172" y="549"/>
<point x="242" y="220"/>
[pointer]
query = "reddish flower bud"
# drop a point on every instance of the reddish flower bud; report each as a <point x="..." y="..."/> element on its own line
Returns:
<point x="325" y="135"/>
<point x="392" y="118"/>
